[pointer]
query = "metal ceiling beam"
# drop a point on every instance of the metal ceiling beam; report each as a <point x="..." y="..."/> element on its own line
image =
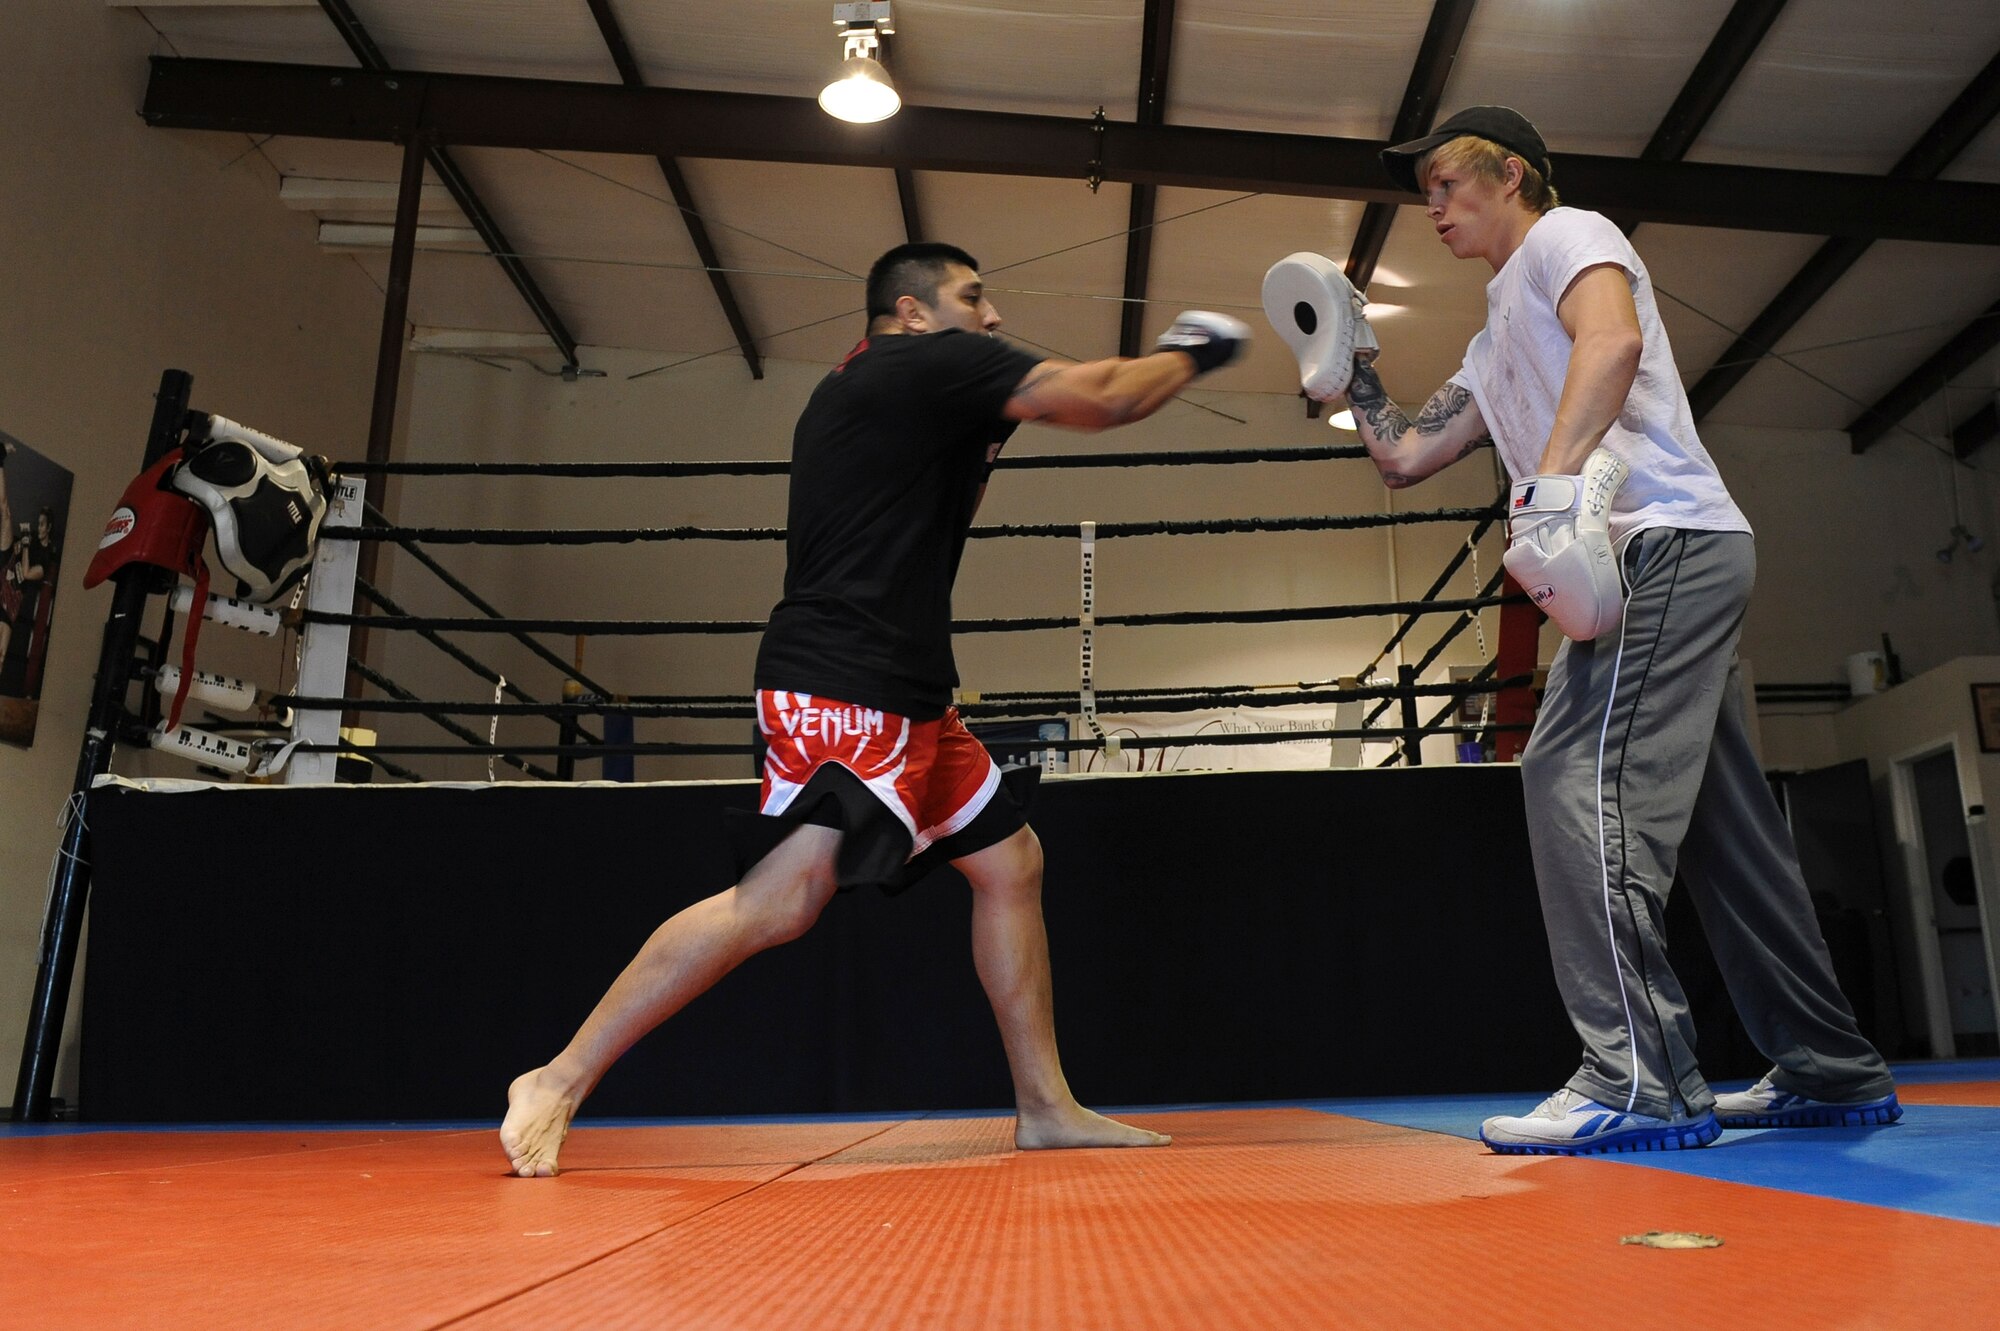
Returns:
<point x="1714" y="74"/>
<point x="1414" y="118"/>
<point x="1949" y="135"/>
<point x="628" y="70"/>
<point x="1949" y="361"/>
<point x="906" y="197"/>
<point x="1977" y="429"/>
<point x="373" y="61"/>
<point x="483" y="111"/>
<point x="1156" y="53"/>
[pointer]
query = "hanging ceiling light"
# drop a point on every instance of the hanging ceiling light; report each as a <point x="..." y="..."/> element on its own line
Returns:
<point x="861" y="91"/>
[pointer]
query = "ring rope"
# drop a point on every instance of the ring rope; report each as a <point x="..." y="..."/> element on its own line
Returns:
<point x="428" y="624"/>
<point x="667" y="749"/>
<point x="1105" y="530"/>
<point x="1443" y="580"/>
<point x="1032" y="462"/>
<point x="1444" y="640"/>
<point x="1432" y="727"/>
<point x="376" y="596"/>
<point x="479" y="603"/>
<point x="737" y="708"/>
<point x="401" y="694"/>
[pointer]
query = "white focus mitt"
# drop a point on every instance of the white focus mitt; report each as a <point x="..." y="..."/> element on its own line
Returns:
<point x="1318" y="313"/>
<point x="1559" y="546"/>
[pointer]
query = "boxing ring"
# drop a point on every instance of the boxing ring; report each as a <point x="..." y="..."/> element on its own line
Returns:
<point x="1318" y="992"/>
<point x="298" y="735"/>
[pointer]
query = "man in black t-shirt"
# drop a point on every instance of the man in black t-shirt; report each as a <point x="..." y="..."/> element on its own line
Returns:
<point x="868" y="763"/>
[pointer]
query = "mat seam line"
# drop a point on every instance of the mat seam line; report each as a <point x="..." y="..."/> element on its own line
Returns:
<point x="232" y="1160"/>
<point x="672" y="1224"/>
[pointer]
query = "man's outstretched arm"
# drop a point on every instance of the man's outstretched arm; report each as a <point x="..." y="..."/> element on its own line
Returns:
<point x="1098" y="394"/>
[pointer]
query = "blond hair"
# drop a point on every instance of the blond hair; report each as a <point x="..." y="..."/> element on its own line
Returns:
<point x="1483" y="157"/>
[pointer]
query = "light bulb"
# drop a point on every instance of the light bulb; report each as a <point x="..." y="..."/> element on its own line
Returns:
<point x="861" y="93"/>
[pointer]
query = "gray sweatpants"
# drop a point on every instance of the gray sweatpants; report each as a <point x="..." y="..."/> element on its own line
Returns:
<point x="1640" y="765"/>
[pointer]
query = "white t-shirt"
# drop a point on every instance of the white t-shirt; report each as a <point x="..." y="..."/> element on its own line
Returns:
<point x="1514" y="369"/>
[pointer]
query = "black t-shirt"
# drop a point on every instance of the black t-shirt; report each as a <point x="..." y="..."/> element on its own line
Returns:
<point x="887" y="461"/>
<point x="29" y="553"/>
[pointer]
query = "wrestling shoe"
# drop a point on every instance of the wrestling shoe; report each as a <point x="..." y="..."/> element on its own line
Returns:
<point x="1765" y="1106"/>
<point x="1569" y="1124"/>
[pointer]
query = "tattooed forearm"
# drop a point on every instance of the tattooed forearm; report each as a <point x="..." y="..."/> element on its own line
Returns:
<point x="1445" y="404"/>
<point x="1385" y="419"/>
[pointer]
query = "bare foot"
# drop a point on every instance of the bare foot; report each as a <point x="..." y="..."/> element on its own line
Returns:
<point x="538" y="1115"/>
<point x="1073" y="1126"/>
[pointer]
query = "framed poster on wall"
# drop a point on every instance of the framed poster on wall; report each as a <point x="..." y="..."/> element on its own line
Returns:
<point x="1986" y="711"/>
<point x="34" y="518"/>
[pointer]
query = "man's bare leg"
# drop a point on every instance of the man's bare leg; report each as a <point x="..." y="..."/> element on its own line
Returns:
<point x="776" y="902"/>
<point x="1010" y="948"/>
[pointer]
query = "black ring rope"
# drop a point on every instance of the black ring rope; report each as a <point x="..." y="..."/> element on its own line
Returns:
<point x="1064" y="530"/>
<point x="741" y="709"/>
<point x="1032" y="462"/>
<point x="478" y="603"/>
<point x="1444" y="640"/>
<point x="642" y="627"/>
<point x="1444" y="578"/>
<point x="348" y="748"/>
<point x="1108" y="704"/>
<point x="396" y="612"/>
<point x="1433" y="726"/>
<point x="1054" y="745"/>
<point x="445" y="723"/>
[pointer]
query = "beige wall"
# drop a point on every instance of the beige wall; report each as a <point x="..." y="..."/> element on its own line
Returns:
<point x="128" y="251"/>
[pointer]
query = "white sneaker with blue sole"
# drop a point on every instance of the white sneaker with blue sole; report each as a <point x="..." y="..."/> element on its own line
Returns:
<point x="1766" y="1106"/>
<point x="1570" y="1124"/>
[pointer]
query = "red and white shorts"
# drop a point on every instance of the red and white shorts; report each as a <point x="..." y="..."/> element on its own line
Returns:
<point x="932" y="775"/>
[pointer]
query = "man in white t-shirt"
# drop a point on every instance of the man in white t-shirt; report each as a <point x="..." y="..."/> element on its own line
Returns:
<point x="1640" y="763"/>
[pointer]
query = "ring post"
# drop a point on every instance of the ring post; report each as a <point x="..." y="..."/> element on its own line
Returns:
<point x="69" y="889"/>
<point x="323" y="647"/>
<point x="1413" y="735"/>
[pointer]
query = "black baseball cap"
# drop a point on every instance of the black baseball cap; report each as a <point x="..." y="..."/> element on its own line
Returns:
<point x="1500" y="124"/>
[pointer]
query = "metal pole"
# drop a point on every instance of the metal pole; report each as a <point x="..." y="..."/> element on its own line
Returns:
<point x="389" y="364"/>
<point x="62" y="927"/>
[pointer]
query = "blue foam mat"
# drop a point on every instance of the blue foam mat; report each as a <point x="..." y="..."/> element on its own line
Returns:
<point x="1941" y="1160"/>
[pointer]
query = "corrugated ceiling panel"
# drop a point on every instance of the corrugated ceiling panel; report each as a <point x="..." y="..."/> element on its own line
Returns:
<point x="1711" y="284"/>
<point x="1595" y="78"/>
<point x="517" y="38"/>
<point x="1053" y="252"/>
<point x="798" y="240"/>
<point x="454" y="290"/>
<point x="1896" y="306"/>
<point x="1981" y="161"/>
<point x="1201" y="260"/>
<point x="1849" y="85"/>
<point x="300" y="36"/>
<point x="1335" y="67"/>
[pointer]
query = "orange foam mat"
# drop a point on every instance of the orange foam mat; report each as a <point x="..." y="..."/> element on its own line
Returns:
<point x="345" y="1229"/>
<point x="1975" y="1093"/>
<point x="1261" y="1219"/>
